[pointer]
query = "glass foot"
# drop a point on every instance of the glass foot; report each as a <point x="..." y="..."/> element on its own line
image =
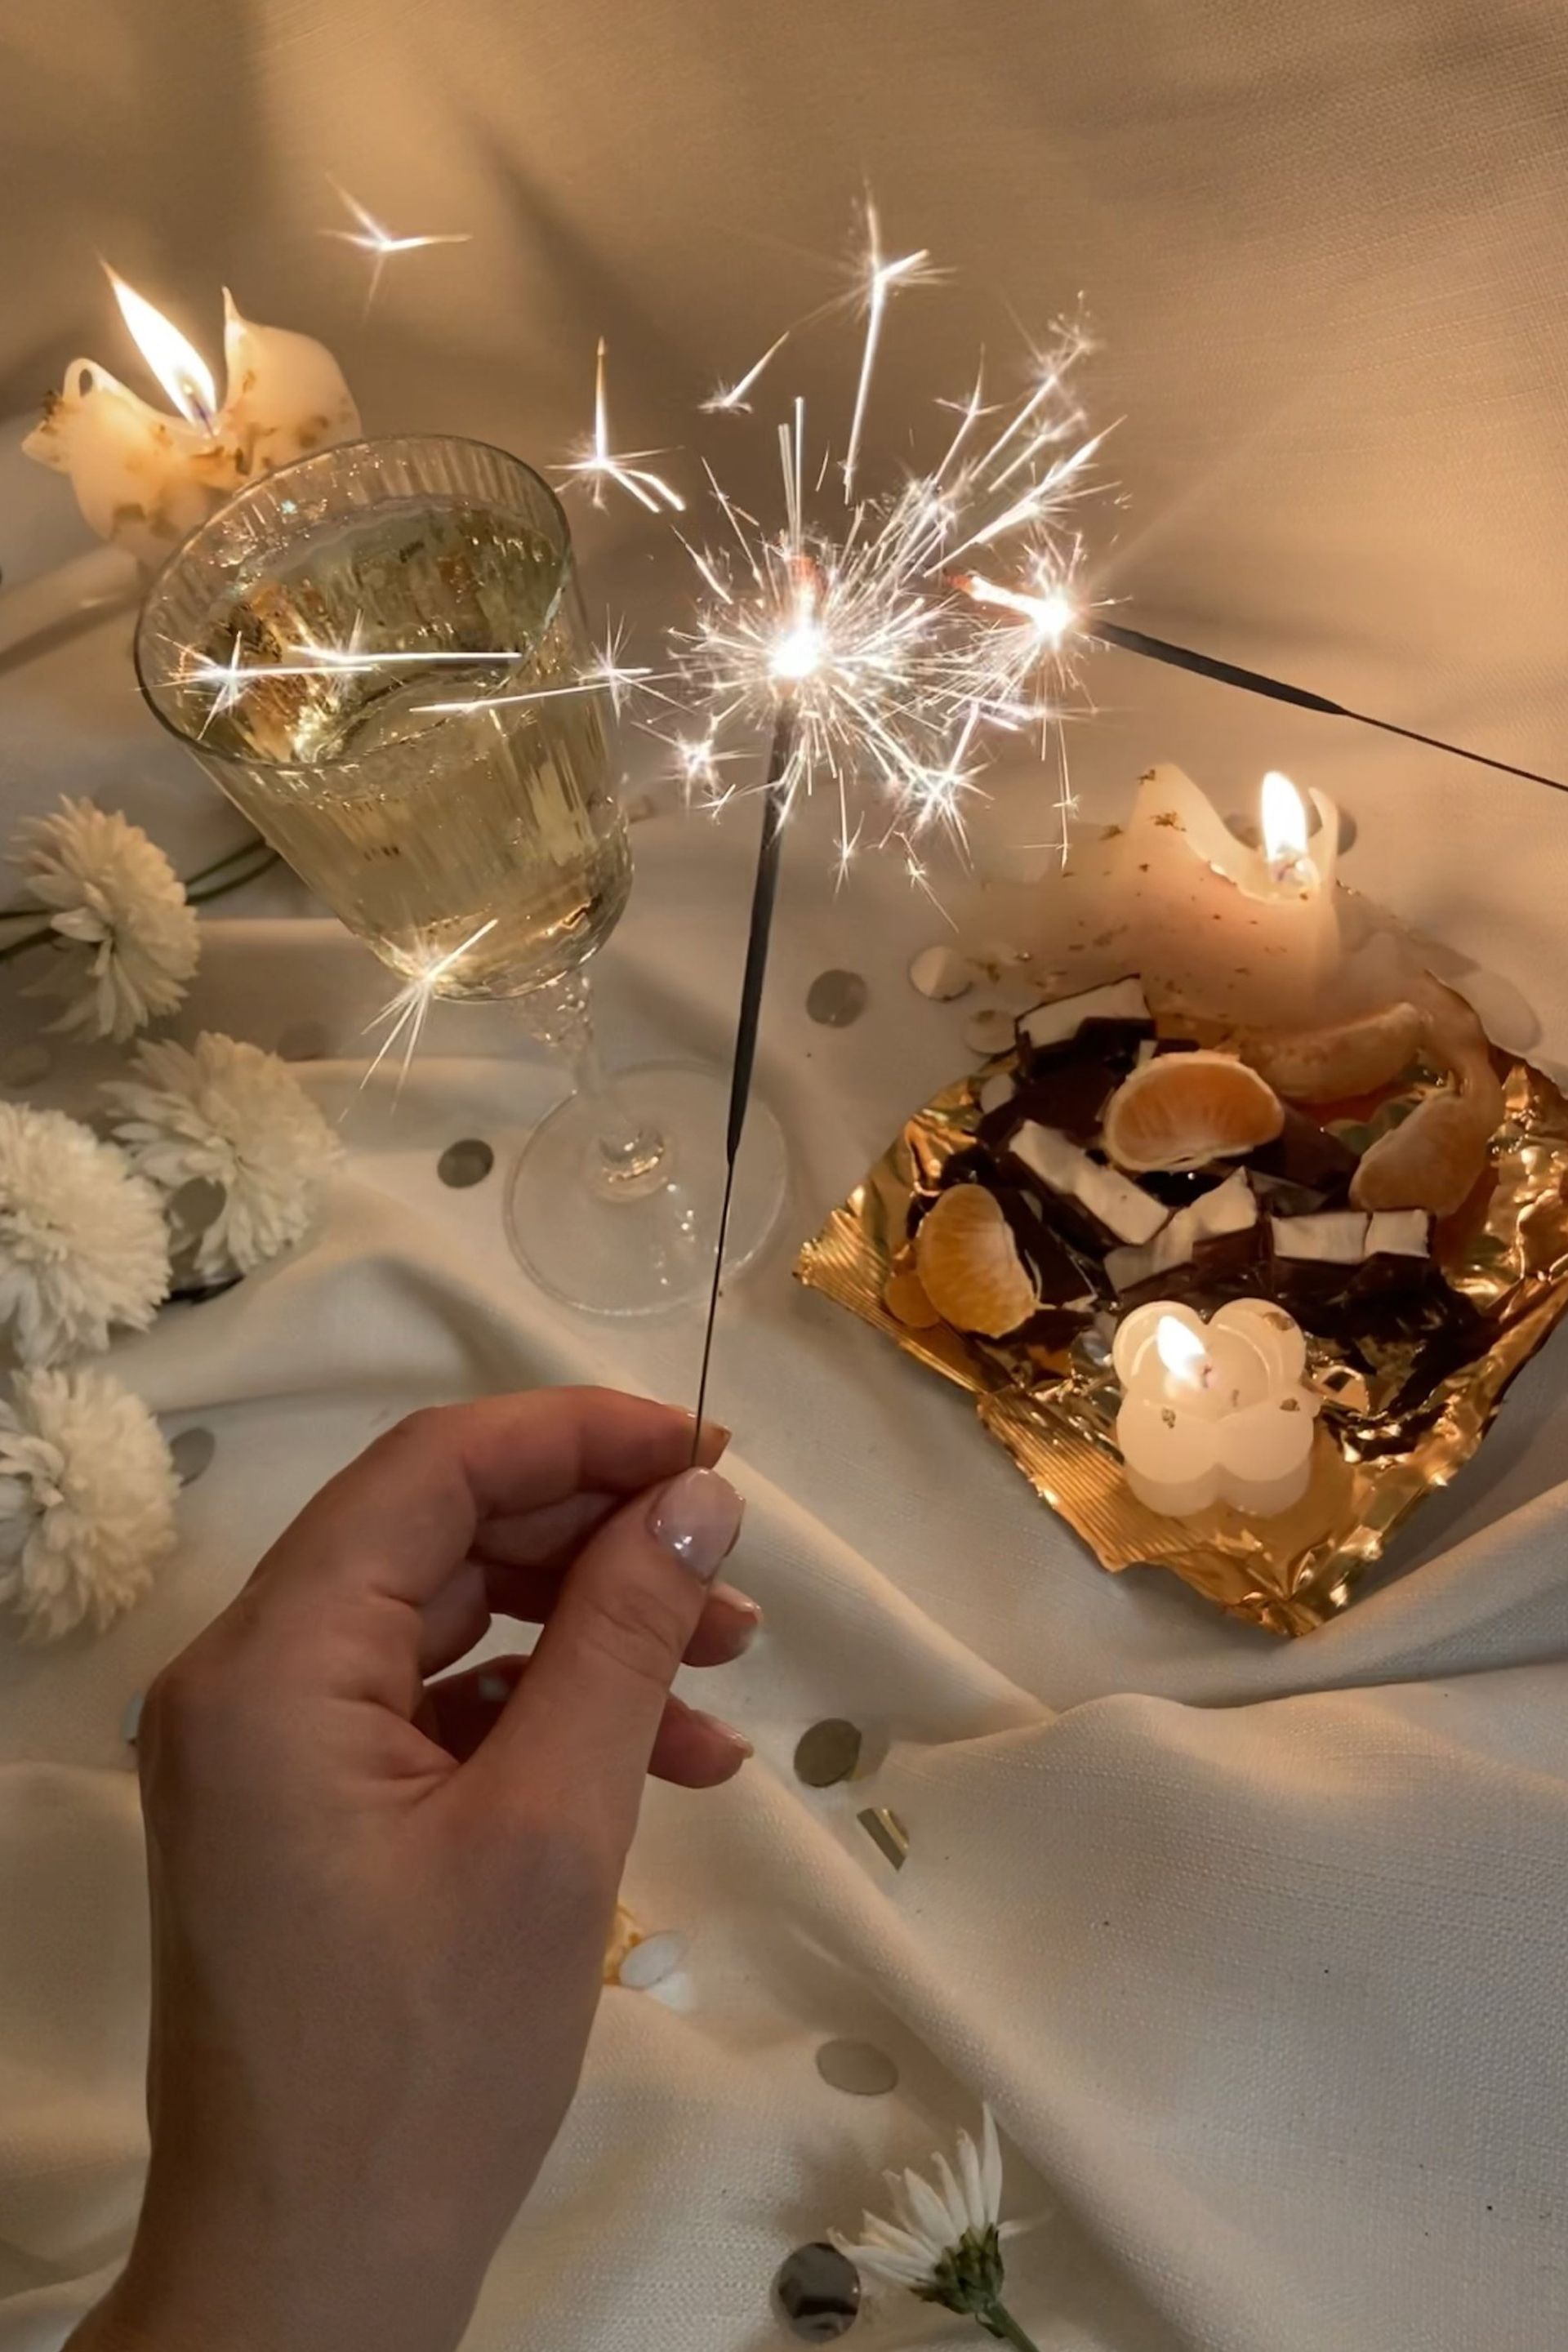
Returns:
<point x="639" y="1240"/>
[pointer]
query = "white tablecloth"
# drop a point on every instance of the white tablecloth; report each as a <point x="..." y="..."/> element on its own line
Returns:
<point x="1257" y="1948"/>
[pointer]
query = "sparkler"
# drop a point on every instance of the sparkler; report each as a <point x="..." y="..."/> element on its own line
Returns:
<point x="380" y="243"/>
<point x="871" y="661"/>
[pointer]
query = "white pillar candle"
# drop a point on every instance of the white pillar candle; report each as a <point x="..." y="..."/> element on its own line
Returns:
<point x="1250" y="938"/>
<point x="1215" y="1412"/>
<point x="1234" y="933"/>
<point x="144" y="479"/>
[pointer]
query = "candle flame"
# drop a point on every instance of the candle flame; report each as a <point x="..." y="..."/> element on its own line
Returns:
<point x="178" y="366"/>
<point x="1283" y="815"/>
<point x="1180" y="1350"/>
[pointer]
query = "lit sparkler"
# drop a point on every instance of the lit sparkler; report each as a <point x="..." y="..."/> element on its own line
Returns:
<point x="379" y="242"/>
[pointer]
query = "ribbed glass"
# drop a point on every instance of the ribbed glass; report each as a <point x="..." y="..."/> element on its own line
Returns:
<point x="350" y="648"/>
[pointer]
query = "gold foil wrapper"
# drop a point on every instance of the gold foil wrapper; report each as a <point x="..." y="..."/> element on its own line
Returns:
<point x="1403" y="1409"/>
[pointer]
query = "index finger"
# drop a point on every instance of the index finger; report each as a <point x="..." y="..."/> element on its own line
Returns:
<point x="401" y="1520"/>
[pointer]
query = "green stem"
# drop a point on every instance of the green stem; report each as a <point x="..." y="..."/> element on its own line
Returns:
<point x="236" y="881"/>
<point x="999" y="2322"/>
<point x="229" y="857"/>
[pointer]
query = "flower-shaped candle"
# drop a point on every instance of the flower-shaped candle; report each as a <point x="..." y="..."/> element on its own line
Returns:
<point x="1217" y="1412"/>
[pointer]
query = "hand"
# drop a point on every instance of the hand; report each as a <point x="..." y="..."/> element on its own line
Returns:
<point x="380" y="1902"/>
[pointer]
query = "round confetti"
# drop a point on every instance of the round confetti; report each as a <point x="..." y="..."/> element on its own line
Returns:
<point x="649" y="1963"/>
<point x="192" y="1452"/>
<point x="465" y="1163"/>
<point x="818" y="2289"/>
<point x="858" y="2067"/>
<point x="989" y="1030"/>
<point x="836" y="998"/>
<point x="828" y="1753"/>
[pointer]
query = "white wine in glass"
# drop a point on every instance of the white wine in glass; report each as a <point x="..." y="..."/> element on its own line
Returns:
<point x="378" y="654"/>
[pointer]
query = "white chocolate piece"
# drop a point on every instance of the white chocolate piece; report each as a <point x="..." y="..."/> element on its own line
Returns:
<point x="1230" y="1207"/>
<point x="1055" y="1024"/>
<point x="1122" y="1207"/>
<point x="1334" y="1237"/>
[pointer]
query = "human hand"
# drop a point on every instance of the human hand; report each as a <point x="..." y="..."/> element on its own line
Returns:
<point x="380" y="1901"/>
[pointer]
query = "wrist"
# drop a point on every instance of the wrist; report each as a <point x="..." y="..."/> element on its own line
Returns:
<point x="185" y="2290"/>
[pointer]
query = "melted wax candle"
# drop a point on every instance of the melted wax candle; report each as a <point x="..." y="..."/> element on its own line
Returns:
<point x="143" y="479"/>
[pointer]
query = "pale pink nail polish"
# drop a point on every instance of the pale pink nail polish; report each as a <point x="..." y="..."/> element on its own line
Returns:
<point x="697" y="1517"/>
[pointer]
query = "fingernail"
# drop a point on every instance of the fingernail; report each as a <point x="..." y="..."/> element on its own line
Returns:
<point x="741" y="1605"/>
<point x="698" y="1518"/>
<point x="726" y="1732"/>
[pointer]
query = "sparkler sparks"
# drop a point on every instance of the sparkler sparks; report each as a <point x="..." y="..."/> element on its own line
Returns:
<point x="598" y="465"/>
<point x="731" y="397"/>
<point x="406" y="1011"/>
<point x="880" y="277"/>
<point x="888" y="660"/>
<point x="371" y="237"/>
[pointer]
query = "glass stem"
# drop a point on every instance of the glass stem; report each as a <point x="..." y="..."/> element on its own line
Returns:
<point x="627" y="1155"/>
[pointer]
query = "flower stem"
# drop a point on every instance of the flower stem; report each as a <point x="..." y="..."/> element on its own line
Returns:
<point x="998" y="2321"/>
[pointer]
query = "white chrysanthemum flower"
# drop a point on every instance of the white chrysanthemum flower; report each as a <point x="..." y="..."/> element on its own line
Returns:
<point x="114" y="893"/>
<point x="944" y="2242"/>
<point x="226" y="1113"/>
<point x="83" y="1241"/>
<point x="87" y="1500"/>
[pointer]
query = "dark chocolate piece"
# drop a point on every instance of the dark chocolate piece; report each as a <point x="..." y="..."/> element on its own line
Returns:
<point x="1306" y="1157"/>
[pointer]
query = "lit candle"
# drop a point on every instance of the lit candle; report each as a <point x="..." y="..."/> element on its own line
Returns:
<point x="1215" y="1412"/>
<point x="142" y="477"/>
<point x="1232" y="933"/>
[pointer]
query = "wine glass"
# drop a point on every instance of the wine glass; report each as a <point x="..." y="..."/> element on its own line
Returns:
<point x="378" y="654"/>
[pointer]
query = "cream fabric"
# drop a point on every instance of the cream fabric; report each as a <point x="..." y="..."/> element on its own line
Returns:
<point x="1257" y="1948"/>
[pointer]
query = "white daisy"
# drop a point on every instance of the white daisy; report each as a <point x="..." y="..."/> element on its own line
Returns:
<point x="115" y="894"/>
<point x="87" y="1500"/>
<point x="944" y="2242"/>
<point x="83" y="1243"/>
<point x="226" y="1113"/>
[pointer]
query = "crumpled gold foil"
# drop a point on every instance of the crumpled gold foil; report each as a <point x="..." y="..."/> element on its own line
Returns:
<point x="1400" y="1417"/>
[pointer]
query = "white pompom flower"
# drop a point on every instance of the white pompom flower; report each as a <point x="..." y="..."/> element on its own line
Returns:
<point x="113" y="893"/>
<point x="226" y="1113"/>
<point x="84" y="1244"/>
<point x="87" y="1500"/>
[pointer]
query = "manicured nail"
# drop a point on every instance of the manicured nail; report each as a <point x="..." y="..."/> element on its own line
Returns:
<point x="741" y="1605"/>
<point x="726" y="1732"/>
<point x="698" y="1518"/>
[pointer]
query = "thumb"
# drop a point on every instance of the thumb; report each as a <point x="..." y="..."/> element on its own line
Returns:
<point x="580" y="1727"/>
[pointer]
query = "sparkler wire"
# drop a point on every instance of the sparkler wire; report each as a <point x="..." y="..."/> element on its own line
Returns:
<point x="1252" y="681"/>
<point x="776" y="808"/>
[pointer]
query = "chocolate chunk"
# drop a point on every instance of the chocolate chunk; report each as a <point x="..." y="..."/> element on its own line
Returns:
<point x="1121" y="1005"/>
<point x="1306" y="1157"/>
<point x="1091" y="1203"/>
